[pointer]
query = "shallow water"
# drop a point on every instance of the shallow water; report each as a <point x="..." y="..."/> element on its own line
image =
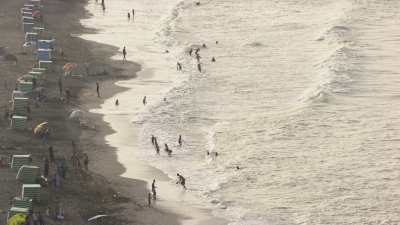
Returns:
<point x="302" y="97"/>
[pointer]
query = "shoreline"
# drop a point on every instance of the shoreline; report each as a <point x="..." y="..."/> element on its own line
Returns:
<point x="144" y="172"/>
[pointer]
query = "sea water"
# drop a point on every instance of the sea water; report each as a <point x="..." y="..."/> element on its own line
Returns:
<point x="303" y="98"/>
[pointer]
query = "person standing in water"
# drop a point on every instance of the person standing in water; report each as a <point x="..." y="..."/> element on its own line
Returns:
<point x="144" y="100"/>
<point x="180" y="140"/>
<point x="124" y="54"/>
<point x="181" y="180"/>
<point x="98" y="89"/>
<point x="149" y="199"/>
<point x="153" y="189"/>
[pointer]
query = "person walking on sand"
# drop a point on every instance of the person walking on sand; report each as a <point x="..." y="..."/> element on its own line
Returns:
<point x="124" y="54"/>
<point x="180" y="140"/>
<point x="60" y="86"/>
<point x="51" y="154"/>
<point x="144" y="100"/>
<point x="98" y="89"/>
<point x="149" y="199"/>
<point x="153" y="189"/>
<point x="86" y="161"/>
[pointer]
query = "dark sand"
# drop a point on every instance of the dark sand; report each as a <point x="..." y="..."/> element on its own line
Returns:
<point x="82" y="194"/>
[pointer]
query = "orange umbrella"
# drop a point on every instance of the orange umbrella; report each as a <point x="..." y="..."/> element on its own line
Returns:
<point x="69" y="66"/>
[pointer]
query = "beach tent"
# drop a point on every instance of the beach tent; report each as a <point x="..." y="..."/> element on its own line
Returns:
<point x="27" y="13"/>
<point x="22" y="202"/>
<point x="37" y="29"/>
<point x="25" y="86"/>
<point x="27" y="78"/>
<point x="31" y="191"/>
<point x="28" y="174"/>
<point x="28" y="27"/>
<point x="38" y="69"/>
<point x="30" y="6"/>
<point x="45" y="64"/>
<point x="35" y="2"/>
<point x="36" y="74"/>
<point x="27" y="19"/>
<point x="26" y="9"/>
<point x="19" y="122"/>
<point x="17" y="94"/>
<point x="20" y="106"/>
<point x="31" y="37"/>
<point x="45" y="44"/>
<point x="44" y="55"/>
<point x="17" y="216"/>
<point x="19" y="160"/>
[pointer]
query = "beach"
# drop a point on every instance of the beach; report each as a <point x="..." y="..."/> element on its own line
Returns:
<point x="287" y="110"/>
<point x="90" y="193"/>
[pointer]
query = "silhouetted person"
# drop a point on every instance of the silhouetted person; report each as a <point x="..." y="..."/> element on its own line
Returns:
<point x="117" y="102"/>
<point x="180" y="140"/>
<point x="51" y="154"/>
<point x="124" y="53"/>
<point x="153" y="189"/>
<point x="181" y="180"/>
<point x="133" y="14"/>
<point x="199" y="67"/>
<point x="144" y="100"/>
<point x="129" y="16"/>
<point x="213" y="59"/>
<point x="98" y="89"/>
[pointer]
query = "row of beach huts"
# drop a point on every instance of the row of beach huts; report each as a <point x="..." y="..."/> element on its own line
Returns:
<point x="42" y="49"/>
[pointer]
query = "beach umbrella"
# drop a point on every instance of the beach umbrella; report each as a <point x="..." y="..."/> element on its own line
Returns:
<point x="75" y="114"/>
<point x="69" y="66"/>
<point x="17" y="219"/>
<point x="41" y="128"/>
<point x="36" y="13"/>
<point x="96" y="217"/>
